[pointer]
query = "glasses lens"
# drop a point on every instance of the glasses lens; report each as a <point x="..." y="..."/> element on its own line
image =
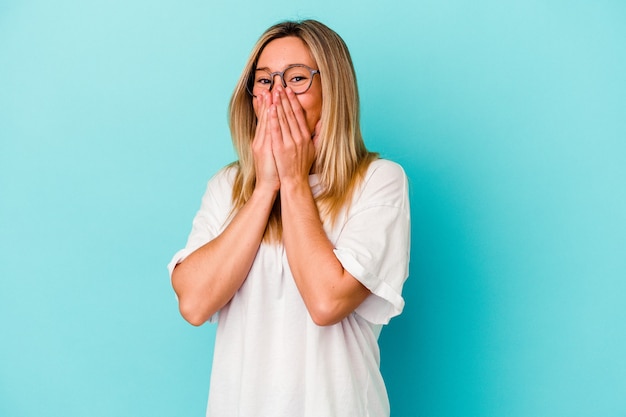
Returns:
<point x="261" y="82"/>
<point x="298" y="78"/>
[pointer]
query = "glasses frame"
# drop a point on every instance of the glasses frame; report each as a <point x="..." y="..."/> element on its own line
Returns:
<point x="250" y="84"/>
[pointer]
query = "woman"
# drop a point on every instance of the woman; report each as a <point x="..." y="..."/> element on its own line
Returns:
<point x="300" y="248"/>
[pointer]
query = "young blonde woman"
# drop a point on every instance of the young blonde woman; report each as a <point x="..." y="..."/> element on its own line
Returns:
<point x="300" y="248"/>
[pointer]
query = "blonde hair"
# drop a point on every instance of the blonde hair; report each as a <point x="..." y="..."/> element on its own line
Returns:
<point x="342" y="157"/>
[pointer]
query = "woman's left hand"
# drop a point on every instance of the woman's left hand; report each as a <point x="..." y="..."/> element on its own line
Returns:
<point x="292" y="145"/>
<point x="329" y="292"/>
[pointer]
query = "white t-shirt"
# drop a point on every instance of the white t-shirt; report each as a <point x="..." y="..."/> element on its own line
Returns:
<point x="270" y="358"/>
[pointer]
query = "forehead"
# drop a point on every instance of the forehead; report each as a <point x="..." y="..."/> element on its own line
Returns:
<point x="280" y="53"/>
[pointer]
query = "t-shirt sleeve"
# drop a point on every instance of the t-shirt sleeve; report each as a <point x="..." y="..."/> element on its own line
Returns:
<point x="374" y="243"/>
<point x="211" y="218"/>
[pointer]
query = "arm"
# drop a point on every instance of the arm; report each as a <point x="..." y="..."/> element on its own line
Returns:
<point x="329" y="292"/>
<point x="209" y="277"/>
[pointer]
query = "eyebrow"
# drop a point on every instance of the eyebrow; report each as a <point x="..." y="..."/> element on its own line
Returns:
<point x="268" y="70"/>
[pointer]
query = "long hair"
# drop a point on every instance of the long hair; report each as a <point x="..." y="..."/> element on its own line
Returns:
<point x="342" y="157"/>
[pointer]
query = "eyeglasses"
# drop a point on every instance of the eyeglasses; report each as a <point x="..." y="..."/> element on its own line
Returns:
<point x="298" y="77"/>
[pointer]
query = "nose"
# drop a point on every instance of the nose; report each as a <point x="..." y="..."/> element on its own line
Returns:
<point x="280" y="80"/>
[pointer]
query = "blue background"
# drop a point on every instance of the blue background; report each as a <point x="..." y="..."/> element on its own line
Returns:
<point x="508" y="116"/>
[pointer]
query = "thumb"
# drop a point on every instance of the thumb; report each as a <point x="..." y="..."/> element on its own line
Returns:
<point x="316" y="131"/>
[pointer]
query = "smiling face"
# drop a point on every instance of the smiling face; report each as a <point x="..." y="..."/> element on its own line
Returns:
<point x="283" y="52"/>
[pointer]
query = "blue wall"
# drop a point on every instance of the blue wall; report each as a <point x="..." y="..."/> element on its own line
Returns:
<point x="509" y="117"/>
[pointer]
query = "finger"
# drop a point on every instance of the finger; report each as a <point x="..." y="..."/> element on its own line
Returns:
<point x="274" y="126"/>
<point x="298" y="113"/>
<point x="262" y="118"/>
<point x="316" y="132"/>
<point x="281" y="116"/>
<point x="260" y="103"/>
<point x="268" y="125"/>
<point x="290" y="117"/>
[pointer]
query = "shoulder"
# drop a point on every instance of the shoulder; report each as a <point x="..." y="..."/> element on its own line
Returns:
<point x="382" y="169"/>
<point x="223" y="179"/>
<point x="384" y="183"/>
<point x="219" y="188"/>
<point x="227" y="173"/>
<point x="383" y="173"/>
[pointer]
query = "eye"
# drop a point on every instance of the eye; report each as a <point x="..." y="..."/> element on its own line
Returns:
<point x="296" y="76"/>
<point x="262" y="78"/>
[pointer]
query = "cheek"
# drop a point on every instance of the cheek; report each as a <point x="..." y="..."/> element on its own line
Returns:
<point x="255" y="107"/>
<point x="313" y="110"/>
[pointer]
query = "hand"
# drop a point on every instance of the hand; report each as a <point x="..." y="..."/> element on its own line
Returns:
<point x="264" y="164"/>
<point x="292" y="144"/>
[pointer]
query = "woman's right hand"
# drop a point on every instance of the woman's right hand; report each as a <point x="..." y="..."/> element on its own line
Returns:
<point x="208" y="278"/>
<point x="264" y="163"/>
